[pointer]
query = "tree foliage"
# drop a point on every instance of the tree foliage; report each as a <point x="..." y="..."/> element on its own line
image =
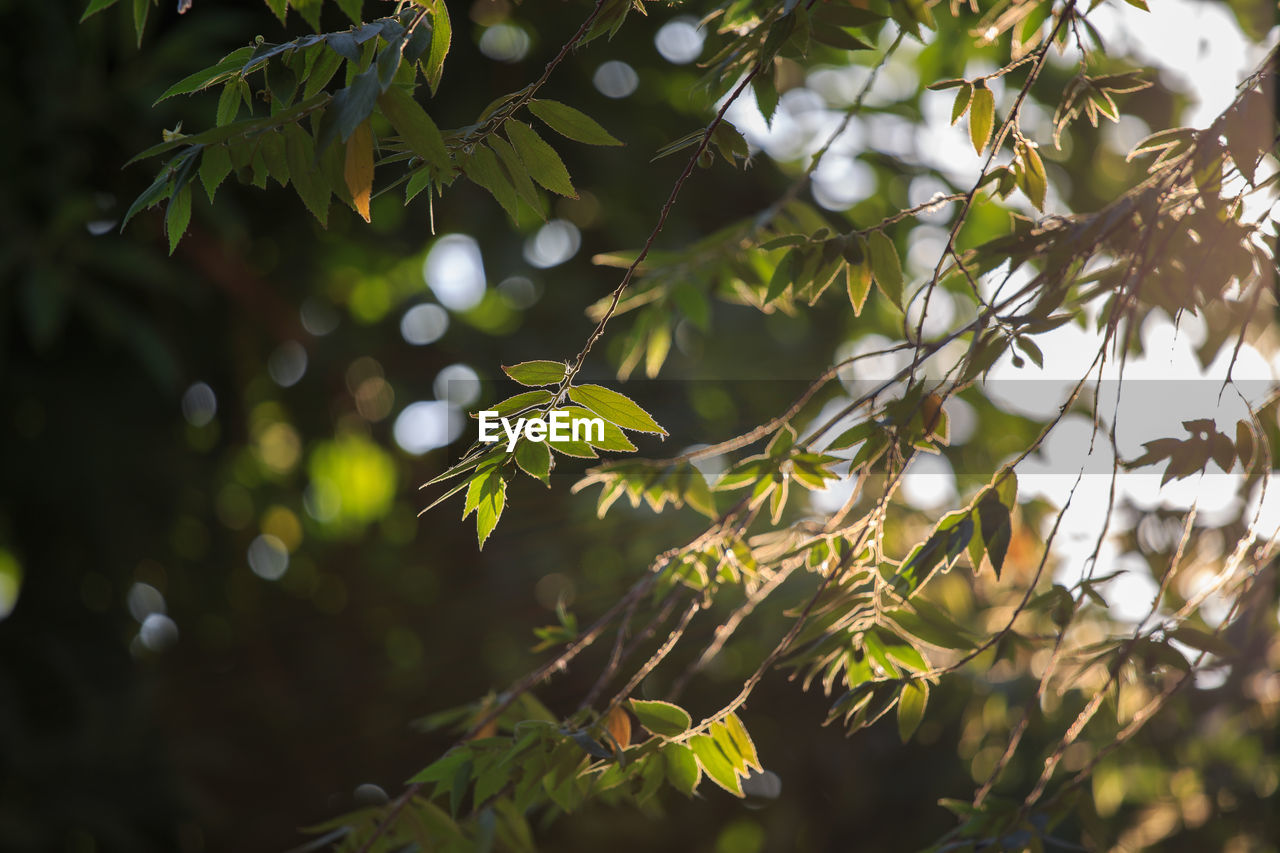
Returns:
<point x="887" y="603"/>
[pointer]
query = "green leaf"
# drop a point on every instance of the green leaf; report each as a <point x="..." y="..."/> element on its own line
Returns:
<point x="858" y="283"/>
<point x="534" y="458"/>
<point x="349" y="109"/>
<point x="885" y="266"/>
<point x="931" y="626"/>
<point x="615" y="408"/>
<point x="519" y="176"/>
<point x="271" y="145"/>
<point x="720" y="734"/>
<point x="661" y="718"/>
<point x="178" y="216"/>
<point x="486" y="495"/>
<point x="207" y="77"/>
<point x="543" y="163"/>
<point x="1034" y="180"/>
<point x="416" y="127"/>
<point x="441" y="36"/>
<point x="717" y="765"/>
<point x="742" y="741"/>
<point x="140" y="10"/>
<point x="614" y="439"/>
<point x="982" y="116"/>
<point x="309" y="180"/>
<point x="96" y="6"/>
<point x="352" y="9"/>
<point x="326" y="66"/>
<point x="996" y="526"/>
<point x="215" y="165"/>
<point x="522" y="402"/>
<point x="784" y="274"/>
<point x="915" y="695"/>
<point x="571" y="123"/>
<point x="535" y="373"/>
<point x="483" y="169"/>
<point x="279" y="8"/>
<point x="683" y="771"/>
<point x="838" y="38"/>
<point x="961" y="104"/>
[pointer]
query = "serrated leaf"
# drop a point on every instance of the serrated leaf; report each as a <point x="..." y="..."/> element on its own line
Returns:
<point x="416" y="127"/>
<point x="716" y="764"/>
<point x="309" y="180"/>
<point x="982" y="116"/>
<point x="571" y="123"/>
<point x="541" y="160"/>
<point x="441" y="36"/>
<point x="961" y="104"/>
<point x="483" y="169"/>
<point x="682" y="768"/>
<point x="915" y="695"/>
<point x="350" y="108"/>
<point x="615" y="408"/>
<point x="536" y="373"/>
<point x="522" y="402"/>
<point x="1034" y="180"/>
<point x="486" y="495"/>
<point x="352" y="9"/>
<point x="742" y="742"/>
<point x="215" y="165"/>
<point x="207" y="77"/>
<point x="229" y="103"/>
<point x="885" y="266"/>
<point x="519" y="175"/>
<point x="178" y="216"/>
<point x="534" y="458"/>
<point x="858" y="283"/>
<point x="96" y="6"/>
<point x="661" y="718"/>
<point x="358" y="168"/>
<point x="271" y="146"/>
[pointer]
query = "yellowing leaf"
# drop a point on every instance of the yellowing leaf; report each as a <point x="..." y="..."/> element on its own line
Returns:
<point x="358" y="168"/>
<point x="618" y="723"/>
<point x="982" y="116"/>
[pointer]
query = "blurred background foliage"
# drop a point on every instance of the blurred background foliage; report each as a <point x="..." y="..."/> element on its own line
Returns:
<point x="223" y="611"/>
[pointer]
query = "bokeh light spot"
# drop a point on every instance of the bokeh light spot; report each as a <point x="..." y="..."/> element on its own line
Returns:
<point x="616" y="79"/>
<point x="454" y="270"/>
<point x="424" y="324"/>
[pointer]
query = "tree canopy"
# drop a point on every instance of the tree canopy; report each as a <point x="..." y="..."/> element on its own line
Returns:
<point x="935" y="347"/>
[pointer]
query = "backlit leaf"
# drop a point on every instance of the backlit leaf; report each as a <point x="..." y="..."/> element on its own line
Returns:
<point x="571" y="123"/>
<point x="535" y="373"/>
<point x="662" y="718"/>
<point x="982" y="116"/>
<point x="358" y="168"/>
<point x="615" y="408"/>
